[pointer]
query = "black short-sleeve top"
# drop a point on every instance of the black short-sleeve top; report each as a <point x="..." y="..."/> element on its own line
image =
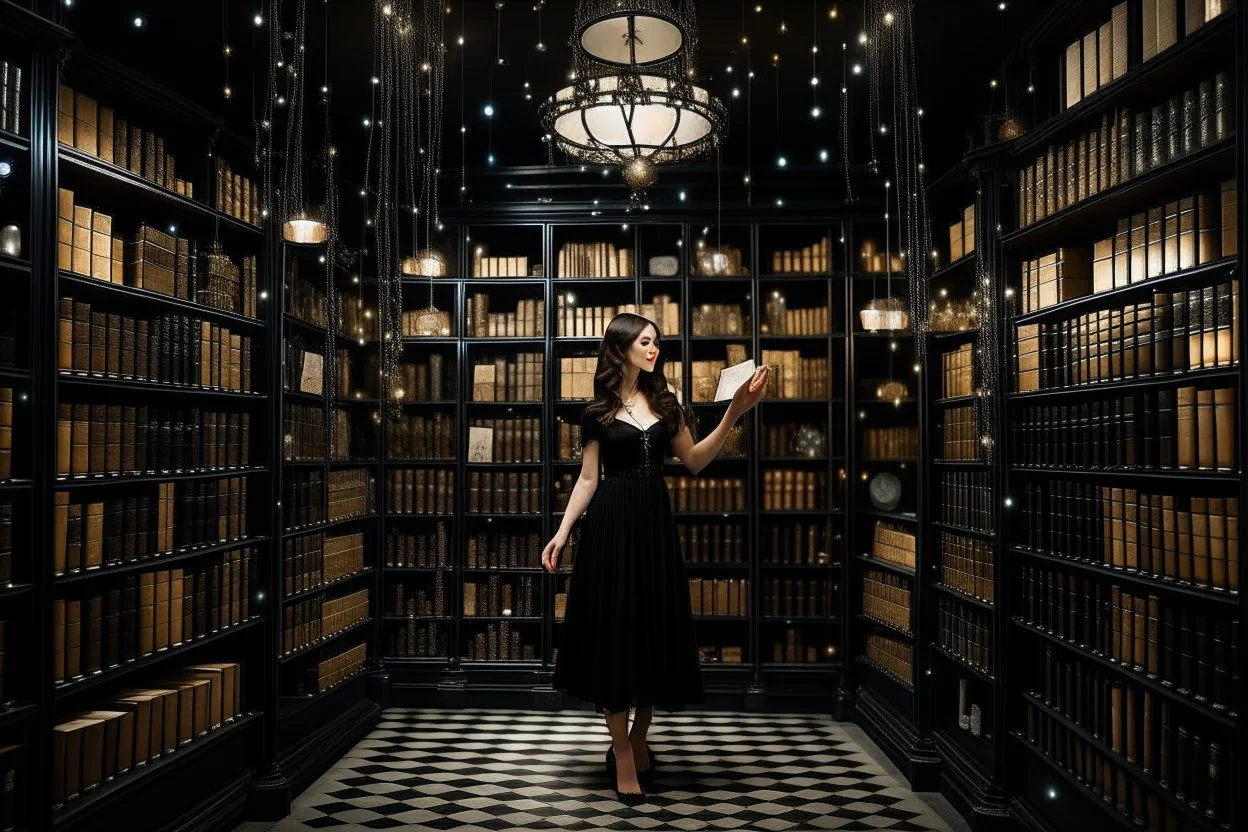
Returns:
<point x="627" y="450"/>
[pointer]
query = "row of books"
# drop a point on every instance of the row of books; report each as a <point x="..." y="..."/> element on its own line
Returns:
<point x="1172" y="237"/>
<point x="966" y="565"/>
<point x="417" y="639"/>
<point x="886" y="598"/>
<point x="1169" y="334"/>
<point x="793" y="650"/>
<point x="305" y="623"/>
<point x="799" y="543"/>
<point x="893" y="543"/>
<point x="503" y="550"/>
<point x="237" y="195"/>
<point x="354" y="319"/>
<point x="787" y="489"/>
<point x="121" y="439"/>
<point x="504" y="440"/>
<point x="12" y="103"/>
<point x="1192" y="540"/>
<point x="408" y="598"/>
<point x="779" y="319"/>
<point x="421" y="490"/>
<point x="798" y="597"/>
<point x="815" y="258"/>
<point x="484" y="266"/>
<point x="424" y="549"/>
<point x="504" y="492"/>
<point x="966" y="500"/>
<point x="794" y="376"/>
<point x="352" y="493"/>
<point x="513" y="378"/>
<point x="1189" y="428"/>
<point x="431" y="379"/>
<point x="499" y="641"/>
<point x="175" y="349"/>
<point x="497" y="596"/>
<point x="315" y="560"/>
<point x="899" y="442"/>
<point x="892" y="656"/>
<point x="720" y="596"/>
<point x="957" y="372"/>
<point x="966" y="633"/>
<point x="333" y="671"/>
<point x="1164" y="239"/>
<point x="576" y="379"/>
<point x="421" y="436"/>
<point x="1190" y="651"/>
<point x="962" y="235"/>
<point x="303" y="432"/>
<point x="960" y="438"/>
<point x="1193" y="771"/>
<point x="91" y="535"/>
<point x="82" y="123"/>
<point x="712" y="542"/>
<point x="575" y="321"/>
<point x="305" y="299"/>
<point x="150" y="612"/>
<point x="303" y="499"/>
<point x="719" y="319"/>
<point x="706" y="493"/>
<point x="720" y="653"/>
<point x="135" y="727"/>
<point x="1126" y="145"/>
<point x="595" y="260"/>
<point x="1099" y="56"/>
<point x="527" y="320"/>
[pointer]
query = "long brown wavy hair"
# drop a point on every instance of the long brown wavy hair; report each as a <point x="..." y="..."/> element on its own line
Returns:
<point x="621" y="332"/>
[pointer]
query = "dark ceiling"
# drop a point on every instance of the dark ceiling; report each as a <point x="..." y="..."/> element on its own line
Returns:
<point x="959" y="48"/>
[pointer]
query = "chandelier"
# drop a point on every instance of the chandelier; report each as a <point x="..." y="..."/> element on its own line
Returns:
<point x="633" y="101"/>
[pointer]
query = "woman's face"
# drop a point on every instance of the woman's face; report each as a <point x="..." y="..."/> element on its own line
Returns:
<point x="644" y="353"/>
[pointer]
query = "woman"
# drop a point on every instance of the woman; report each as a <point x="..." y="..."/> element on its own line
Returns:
<point x="628" y="635"/>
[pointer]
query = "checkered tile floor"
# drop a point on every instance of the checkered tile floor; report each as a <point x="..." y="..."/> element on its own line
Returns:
<point x="486" y="769"/>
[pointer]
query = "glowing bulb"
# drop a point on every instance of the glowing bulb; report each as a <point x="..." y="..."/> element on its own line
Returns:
<point x="857" y="69"/>
<point x="387" y="10"/>
<point x="782" y="162"/>
<point x="823" y="155"/>
<point x="138" y="22"/>
<point x="489" y="110"/>
<point x="888" y="18"/>
<point x="815" y="112"/>
<point x="258" y="20"/>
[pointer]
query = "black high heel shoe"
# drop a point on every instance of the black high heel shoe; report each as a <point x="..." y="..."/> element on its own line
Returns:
<point x="627" y="798"/>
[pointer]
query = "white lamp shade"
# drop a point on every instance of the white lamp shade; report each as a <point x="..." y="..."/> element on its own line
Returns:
<point x="302" y="230"/>
<point x="619" y="124"/>
<point x="632" y="40"/>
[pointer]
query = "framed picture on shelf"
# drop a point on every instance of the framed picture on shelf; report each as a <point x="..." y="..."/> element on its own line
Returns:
<point x="480" y="444"/>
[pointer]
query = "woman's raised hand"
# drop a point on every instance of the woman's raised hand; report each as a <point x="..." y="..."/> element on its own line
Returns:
<point x="751" y="392"/>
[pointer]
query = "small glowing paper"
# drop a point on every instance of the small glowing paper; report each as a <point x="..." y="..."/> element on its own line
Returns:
<point x="313" y="373"/>
<point x="732" y="378"/>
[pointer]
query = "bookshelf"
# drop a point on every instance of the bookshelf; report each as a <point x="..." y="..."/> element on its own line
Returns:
<point x="962" y="554"/>
<point x="1148" y="491"/>
<point x="884" y="408"/>
<point x="558" y="315"/>
<point x="330" y="431"/>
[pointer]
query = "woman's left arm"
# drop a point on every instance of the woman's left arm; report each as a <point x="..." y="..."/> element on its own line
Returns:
<point x="697" y="455"/>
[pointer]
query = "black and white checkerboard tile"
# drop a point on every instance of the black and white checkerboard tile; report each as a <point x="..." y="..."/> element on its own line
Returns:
<point x="486" y="769"/>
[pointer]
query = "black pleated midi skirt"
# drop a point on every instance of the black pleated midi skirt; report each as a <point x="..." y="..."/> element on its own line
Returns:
<point x="628" y="635"/>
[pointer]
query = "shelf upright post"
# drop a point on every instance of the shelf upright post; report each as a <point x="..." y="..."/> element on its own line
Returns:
<point x="843" y="708"/>
<point x="271" y="791"/>
<point x="1240" y="766"/>
<point x="44" y="80"/>
<point x="849" y="528"/>
<point x="991" y="184"/>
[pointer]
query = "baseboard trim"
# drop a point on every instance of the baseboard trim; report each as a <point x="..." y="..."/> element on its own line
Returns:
<point x="917" y="759"/>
